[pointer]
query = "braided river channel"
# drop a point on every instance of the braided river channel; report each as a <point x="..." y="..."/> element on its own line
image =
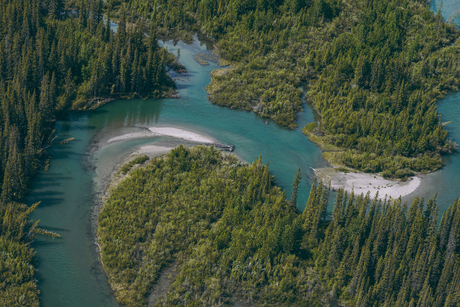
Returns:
<point x="69" y="271"/>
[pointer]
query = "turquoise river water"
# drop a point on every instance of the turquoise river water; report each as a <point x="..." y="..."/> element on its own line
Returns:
<point x="69" y="271"/>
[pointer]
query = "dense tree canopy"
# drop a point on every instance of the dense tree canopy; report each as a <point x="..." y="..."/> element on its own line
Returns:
<point x="234" y="235"/>
<point x="373" y="69"/>
<point x="54" y="57"/>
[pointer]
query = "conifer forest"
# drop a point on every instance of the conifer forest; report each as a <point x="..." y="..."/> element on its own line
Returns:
<point x="56" y="57"/>
<point x="373" y="71"/>
<point x="234" y="234"/>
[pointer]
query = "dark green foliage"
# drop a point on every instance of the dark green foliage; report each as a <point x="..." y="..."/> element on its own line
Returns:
<point x="53" y="60"/>
<point x="374" y="70"/>
<point x="214" y="216"/>
<point x="18" y="287"/>
<point x="378" y="84"/>
<point x="295" y="188"/>
<point x="17" y="282"/>
<point x="233" y="234"/>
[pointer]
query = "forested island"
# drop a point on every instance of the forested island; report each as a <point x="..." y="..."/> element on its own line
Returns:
<point x="372" y="69"/>
<point x="232" y="236"/>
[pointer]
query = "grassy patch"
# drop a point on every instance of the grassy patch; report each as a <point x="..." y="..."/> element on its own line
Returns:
<point x="127" y="167"/>
<point x="323" y="142"/>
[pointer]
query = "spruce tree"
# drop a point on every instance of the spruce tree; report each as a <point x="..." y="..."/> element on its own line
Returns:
<point x="295" y="187"/>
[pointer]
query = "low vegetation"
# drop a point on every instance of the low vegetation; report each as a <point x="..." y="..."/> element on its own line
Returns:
<point x="128" y="166"/>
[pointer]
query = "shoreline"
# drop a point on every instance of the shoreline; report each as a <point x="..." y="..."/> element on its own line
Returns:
<point x="108" y="177"/>
<point x="213" y="85"/>
<point x="97" y="102"/>
<point x="362" y="183"/>
<point x="104" y="188"/>
<point x="105" y="175"/>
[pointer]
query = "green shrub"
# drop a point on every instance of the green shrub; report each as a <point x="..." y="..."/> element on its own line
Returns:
<point x="139" y="160"/>
<point x="310" y="126"/>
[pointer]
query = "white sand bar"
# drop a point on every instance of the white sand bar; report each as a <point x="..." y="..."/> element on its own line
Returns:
<point x="153" y="150"/>
<point x="363" y="183"/>
<point x="181" y="134"/>
<point x="164" y="131"/>
<point x="135" y="135"/>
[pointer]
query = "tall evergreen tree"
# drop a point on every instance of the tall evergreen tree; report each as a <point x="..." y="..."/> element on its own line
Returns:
<point x="295" y="187"/>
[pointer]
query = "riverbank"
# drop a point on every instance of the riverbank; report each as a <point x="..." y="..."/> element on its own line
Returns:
<point x="110" y="177"/>
<point x="214" y="85"/>
<point x="341" y="176"/>
<point x="361" y="183"/>
<point x="107" y="175"/>
<point x="94" y="103"/>
<point x="107" y="185"/>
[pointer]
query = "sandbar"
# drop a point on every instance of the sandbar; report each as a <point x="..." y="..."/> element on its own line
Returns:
<point x="152" y="150"/>
<point x="181" y="134"/>
<point x="363" y="183"/>
<point x="134" y="135"/>
<point x="164" y="131"/>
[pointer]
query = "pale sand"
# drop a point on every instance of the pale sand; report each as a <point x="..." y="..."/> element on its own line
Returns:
<point x="164" y="131"/>
<point x="363" y="183"/>
<point x="181" y="134"/>
<point x="135" y="135"/>
<point x="152" y="150"/>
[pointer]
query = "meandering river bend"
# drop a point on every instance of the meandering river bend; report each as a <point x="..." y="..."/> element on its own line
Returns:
<point x="69" y="271"/>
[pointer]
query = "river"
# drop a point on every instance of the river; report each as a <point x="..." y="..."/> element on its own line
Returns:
<point x="69" y="271"/>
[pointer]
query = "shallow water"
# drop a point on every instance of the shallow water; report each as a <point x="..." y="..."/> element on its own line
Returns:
<point x="449" y="9"/>
<point x="69" y="271"/>
<point x="446" y="181"/>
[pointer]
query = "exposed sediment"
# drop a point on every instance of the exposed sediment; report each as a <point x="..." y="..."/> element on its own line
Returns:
<point x="364" y="183"/>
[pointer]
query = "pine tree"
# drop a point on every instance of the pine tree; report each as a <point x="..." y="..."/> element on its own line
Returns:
<point x="360" y="71"/>
<point x="295" y="187"/>
<point x="14" y="181"/>
<point x="121" y="30"/>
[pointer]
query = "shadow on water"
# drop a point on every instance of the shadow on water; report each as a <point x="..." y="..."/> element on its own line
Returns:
<point x="183" y="86"/>
<point x="47" y="179"/>
<point x="66" y="154"/>
<point x="204" y="40"/>
<point x="78" y="127"/>
<point x="42" y="243"/>
<point x="126" y="113"/>
<point x="96" y="269"/>
<point x="96" y="112"/>
<point x="49" y="198"/>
